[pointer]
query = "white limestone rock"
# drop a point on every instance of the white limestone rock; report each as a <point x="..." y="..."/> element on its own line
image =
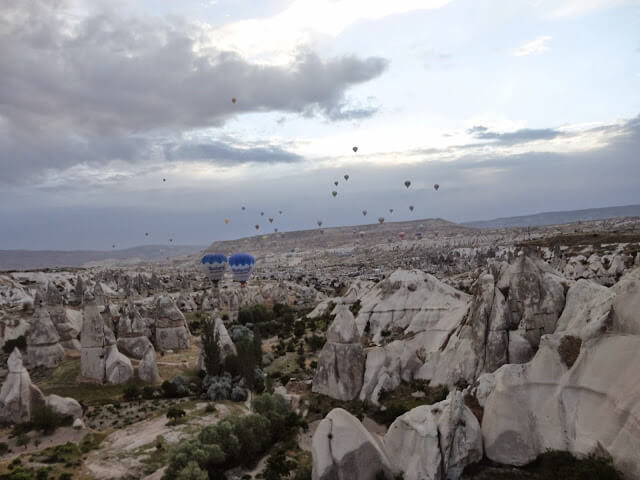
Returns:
<point x="172" y="332"/>
<point x="435" y="442"/>
<point x="43" y="346"/>
<point x="64" y="406"/>
<point x="587" y="310"/>
<point x="118" y="368"/>
<point x="18" y="396"/>
<point x="343" y="449"/>
<point x="148" y="368"/>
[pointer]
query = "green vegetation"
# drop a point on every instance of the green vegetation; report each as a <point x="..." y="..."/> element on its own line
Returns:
<point x="236" y="440"/>
<point x="174" y="414"/>
<point x="552" y="465"/>
<point x="10" y="345"/>
<point x="569" y="349"/>
<point x="211" y="347"/>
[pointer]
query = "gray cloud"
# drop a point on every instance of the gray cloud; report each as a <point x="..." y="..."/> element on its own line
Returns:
<point x="222" y="154"/>
<point x="99" y="88"/>
<point x="512" y="138"/>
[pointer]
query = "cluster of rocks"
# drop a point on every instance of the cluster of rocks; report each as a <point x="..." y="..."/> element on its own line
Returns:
<point x="559" y="355"/>
<point x="434" y="442"/>
<point x="19" y="397"/>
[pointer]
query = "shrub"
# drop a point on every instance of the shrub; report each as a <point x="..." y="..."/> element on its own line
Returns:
<point x="19" y="342"/>
<point x="23" y="439"/>
<point x="355" y="307"/>
<point x="174" y="414"/>
<point x="211" y="347"/>
<point x="132" y="392"/>
<point x="569" y="349"/>
<point x="4" y="448"/>
<point x="147" y="392"/>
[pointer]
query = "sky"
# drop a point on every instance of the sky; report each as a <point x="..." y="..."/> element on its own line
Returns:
<point x="117" y="118"/>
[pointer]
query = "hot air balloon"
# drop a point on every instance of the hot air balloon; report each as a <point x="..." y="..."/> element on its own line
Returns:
<point x="213" y="266"/>
<point x="242" y="265"/>
<point x="334" y="193"/>
<point x="244" y="208"/>
<point x="346" y="177"/>
<point x="233" y="100"/>
<point x="319" y="222"/>
<point x="113" y="246"/>
<point x="280" y="212"/>
<point x="355" y="149"/>
<point x="391" y="210"/>
<point x="401" y="235"/>
<point x="411" y="208"/>
<point x="257" y="227"/>
<point x="270" y="220"/>
<point x="364" y="213"/>
<point x="381" y="220"/>
<point x="164" y="179"/>
<point x="419" y="235"/>
<point x="171" y="239"/>
<point x="336" y="183"/>
<point x="436" y="186"/>
<point x="146" y="234"/>
<point x="407" y="183"/>
<point x="262" y="214"/>
<point x="361" y="234"/>
<point x="226" y="221"/>
<point x="275" y="230"/>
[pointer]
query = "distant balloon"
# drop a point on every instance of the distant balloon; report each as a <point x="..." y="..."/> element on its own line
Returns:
<point x="336" y="183"/>
<point x="171" y="239"/>
<point x="164" y="179"/>
<point x="319" y="222"/>
<point x="233" y="100"/>
<point x="391" y="210"/>
<point x="419" y="235"/>
<point x="407" y="183"/>
<point x="242" y="265"/>
<point x="361" y="234"/>
<point x="381" y="220"/>
<point x="346" y="177"/>
<point x="244" y="208"/>
<point x="280" y="212"/>
<point x="213" y="265"/>
<point x="411" y="208"/>
<point x="436" y="186"/>
<point x="355" y="149"/>
<point x="270" y="220"/>
<point x="275" y="230"/>
<point x="322" y="230"/>
<point x="401" y="235"/>
<point x="146" y="234"/>
<point x="257" y="227"/>
<point x="113" y="246"/>
<point x="262" y="214"/>
<point x="364" y="213"/>
<point x="334" y="193"/>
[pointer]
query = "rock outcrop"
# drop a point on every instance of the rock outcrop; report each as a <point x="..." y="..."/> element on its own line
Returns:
<point x="171" y="332"/>
<point x="435" y="442"/>
<point x="68" y="322"/>
<point x="132" y="340"/>
<point x="18" y="396"/>
<point x="64" y="406"/>
<point x="343" y="449"/>
<point x="43" y="346"/>
<point x="148" y="368"/>
<point x="341" y="361"/>
<point x="118" y="368"/>
<point x="224" y="342"/>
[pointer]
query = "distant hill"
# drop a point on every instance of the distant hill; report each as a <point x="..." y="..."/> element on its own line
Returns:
<point x="37" y="259"/>
<point x="555" y="218"/>
<point x="338" y="237"/>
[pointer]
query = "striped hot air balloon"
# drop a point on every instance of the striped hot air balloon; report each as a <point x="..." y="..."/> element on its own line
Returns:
<point x="213" y="265"/>
<point x="242" y="265"/>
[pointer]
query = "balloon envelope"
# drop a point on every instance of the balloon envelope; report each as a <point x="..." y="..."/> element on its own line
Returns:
<point x="364" y="213"/>
<point x="334" y="193"/>
<point x="226" y="220"/>
<point x="381" y="220"/>
<point x="213" y="266"/>
<point x="346" y="177"/>
<point x="355" y="149"/>
<point x="436" y="186"/>
<point x="407" y="183"/>
<point x="411" y="207"/>
<point x="242" y="265"/>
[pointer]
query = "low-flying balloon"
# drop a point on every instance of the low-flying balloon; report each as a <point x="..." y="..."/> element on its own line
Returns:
<point x="419" y="235"/>
<point x="233" y="100"/>
<point x="381" y="220"/>
<point x="436" y="186"/>
<point x="391" y="210"/>
<point x="213" y="265"/>
<point x="270" y="220"/>
<point x="262" y="214"/>
<point x="242" y="265"/>
<point x="411" y="208"/>
<point x="407" y="183"/>
<point x="364" y="213"/>
<point x="257" y="227"/>
<point x="355" y="149"/>
<point x="401" y="235"/>
<point x="334" y="193"/>
<point x="319" y="222"/>
<point x="336" y="183"/>
<point x="275" y="230"/>
<point x="226" y="221"/>
<point x="346" y="177"/>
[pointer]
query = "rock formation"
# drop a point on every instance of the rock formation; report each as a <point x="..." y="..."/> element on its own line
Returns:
<point x="343" y="449"/>
<point x="171" y="332"/>
<point x="225" y="343"/>
<point x="43" y="347"/>
<point x="341" y="361"/>
<point x="118" y="368"/>
<point x="18" y="396"/>
<point x="132" y="340"/>
<point x="68" y="322"/>
<point x="148" y="368"/>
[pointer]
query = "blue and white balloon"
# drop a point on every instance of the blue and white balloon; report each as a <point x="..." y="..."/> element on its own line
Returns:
<point x="242" y="265"/>
<point x="213" y="265"/>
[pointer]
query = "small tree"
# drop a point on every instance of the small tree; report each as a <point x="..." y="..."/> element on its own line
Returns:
<point x="174" y="414"/>
<point x="211" y="347"/>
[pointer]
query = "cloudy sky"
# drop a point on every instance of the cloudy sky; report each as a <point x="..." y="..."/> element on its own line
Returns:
<point x="512" y="106"/>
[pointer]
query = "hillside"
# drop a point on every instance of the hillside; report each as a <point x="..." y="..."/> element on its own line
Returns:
<point x="555" y="218"/>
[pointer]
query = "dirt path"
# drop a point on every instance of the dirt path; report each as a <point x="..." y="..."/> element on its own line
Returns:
<point x="122" y="452"/>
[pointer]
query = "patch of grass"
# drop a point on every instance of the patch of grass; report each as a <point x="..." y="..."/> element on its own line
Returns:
<point x="400" y="400"/>
<point x="92" y="441"/>
<point x="285" y="365"/>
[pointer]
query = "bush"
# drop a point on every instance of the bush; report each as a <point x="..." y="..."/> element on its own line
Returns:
<point x="132" y="392"/>
<point x="23" y="439"/>
<point x="211" y="347"/>
<point x="147" y="392"/>
<point x="19" y="342"/>
<point x="174" y="414"/>
<point x="4" y="448"/>
<point x="569" y="349"/>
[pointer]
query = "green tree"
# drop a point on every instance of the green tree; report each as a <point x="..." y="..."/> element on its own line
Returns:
<point x="192" y="471"/>
<point x="211" y="347"/>
<point x="174" y="414"/>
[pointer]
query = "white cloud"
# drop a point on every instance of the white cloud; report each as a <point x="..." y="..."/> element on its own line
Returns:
<point x="277" y="39"/>
<point x="534" y="47"/>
